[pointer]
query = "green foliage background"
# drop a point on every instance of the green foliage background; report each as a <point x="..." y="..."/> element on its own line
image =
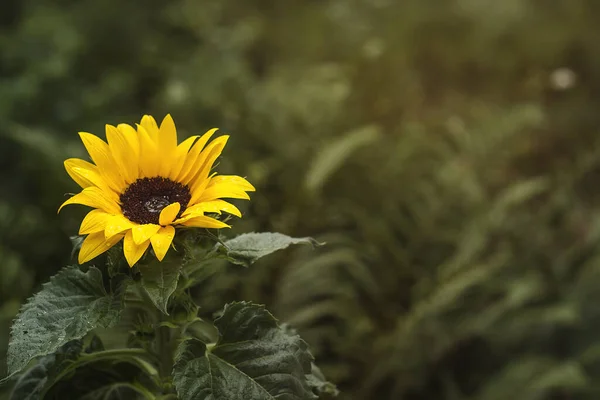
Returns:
<point x="447" y="151"/>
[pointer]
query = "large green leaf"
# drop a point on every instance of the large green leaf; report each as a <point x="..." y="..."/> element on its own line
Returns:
<point x="111" y="374"/>
<point x="113" y="391"/>
<point x="253" y="359"/>
<point x="69" y="306"/>
<point x="31" y="383"/>
<point x="159" y="280"/>
<point x="245" y="249"/>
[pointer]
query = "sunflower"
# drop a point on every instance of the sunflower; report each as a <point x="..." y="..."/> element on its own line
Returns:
<point x="142" y="185"/>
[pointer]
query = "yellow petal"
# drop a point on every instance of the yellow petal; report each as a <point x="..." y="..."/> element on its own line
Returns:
<point x="133" y="251"/>
<point x="141" y="233"/>
<point x="86" y="175"/>
<point x="150" y="126"/>
<point x="167" y="136"/>
<point x="224" y="190"/>
<point x="149" y="158"/>
<point x="198" y="189"/>
<point x="162" y="241"/>
<point x="121" y="151"/>
<point x="96" y="198"/>
<point x="117" y="224"/>
<point x="100" y="154"/>
<point x="169" y="213"/>
<point x="206" y="160"/>
<point x="203" y="222"/>
<point x="94" y="221"/>
<point x="234" y="179"/>
<point x="83" y="173"/>
<point x="94" y="245"/>
<point x="167" y="143"/>
<point x="231" y="186"/>
<point x="188" y="166"/>
<point x="181" y="154"/>
<point x="132" y="138"/>
<point x="214" y="206"/>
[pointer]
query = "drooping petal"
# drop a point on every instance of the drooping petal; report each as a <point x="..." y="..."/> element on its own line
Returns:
<point x="150" y="126"/>
<point x="96" y="198"/>
<point x="202" y="222"/>
<point x="169" y="213"/>
<point x="94" y="245"/>
<point x="181" y="155"/>
<point x="191" y="160"/>
<point x="117" y="224"/>
<point x="100" y="154"/>
<point x="141" y="233"/>
<point x="167" y="143"/>
<point x="162" y="240"/>
<point x="94" y="221"/>
<point x="121" y="151"/>
<point x="214" y="206"/>
<point x="133" y="251"/>
<point x="149" y="157"/>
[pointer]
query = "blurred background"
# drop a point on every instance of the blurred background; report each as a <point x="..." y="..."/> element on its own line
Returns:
<point x="447" y="151"/>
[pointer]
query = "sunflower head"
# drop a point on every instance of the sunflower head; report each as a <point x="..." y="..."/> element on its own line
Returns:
<point x="143" y="185"/>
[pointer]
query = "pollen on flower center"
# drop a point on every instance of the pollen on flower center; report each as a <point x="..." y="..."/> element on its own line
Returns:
<point x="145" y="198"/>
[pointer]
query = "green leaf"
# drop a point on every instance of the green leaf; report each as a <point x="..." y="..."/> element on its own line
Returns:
<point x="95" y="345"/>
<point x="316" y="379"/>
<point x="31" y="384"/>
<point x="253" y="359"/>
<point x="116" y="264"/>
<point x="113" y="391"/>
<point x="69" y="306"/>
<point x="319" y="384"/>
<point x="115" y="374"/>
<point x="159" y="280"/>
<point x="245" y="249"/>
<point x="76" y="241"/>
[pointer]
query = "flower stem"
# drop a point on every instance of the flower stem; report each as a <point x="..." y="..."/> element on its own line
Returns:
<point x="163" y="343"/>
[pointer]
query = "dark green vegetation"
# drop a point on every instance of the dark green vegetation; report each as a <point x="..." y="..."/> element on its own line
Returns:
<point x="440" y="148"/>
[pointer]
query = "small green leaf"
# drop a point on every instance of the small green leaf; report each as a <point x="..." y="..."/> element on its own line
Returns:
<point x="69" y="306"/>
<point x="94" y="345"/>
<point x="116" y="264"/>
<point x="319" y="384"/>
<point x="159" y="280"/>
<point x="253" y="359"/>
<point x="76" y="241"/>
<point x="245" y="249"/>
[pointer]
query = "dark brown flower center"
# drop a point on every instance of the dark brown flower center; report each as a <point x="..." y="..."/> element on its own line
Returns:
<point x="145" y="198"/>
